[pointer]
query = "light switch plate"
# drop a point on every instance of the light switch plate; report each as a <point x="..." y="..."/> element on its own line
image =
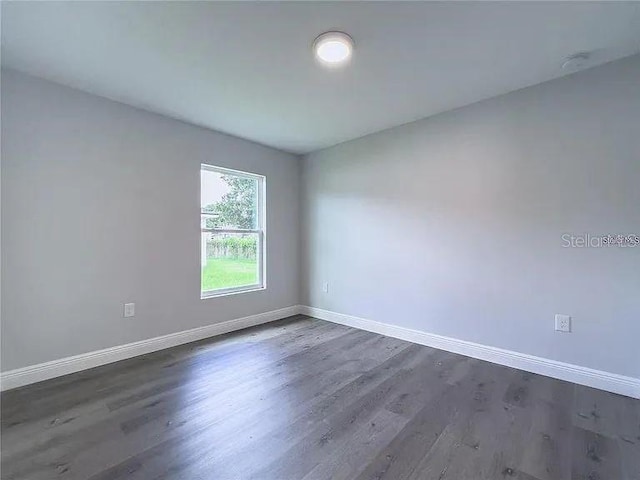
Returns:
<point x="129" y="310"/>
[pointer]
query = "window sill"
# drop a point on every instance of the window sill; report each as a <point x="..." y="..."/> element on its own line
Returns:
<point x="224" y="293"/>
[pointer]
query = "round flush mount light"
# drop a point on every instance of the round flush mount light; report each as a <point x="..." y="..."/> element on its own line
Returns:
<point x="576" y="61"/>
<point x="333" y="48"/>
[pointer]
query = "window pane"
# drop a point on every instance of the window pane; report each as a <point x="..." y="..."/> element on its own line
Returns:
<point x="229" y="260"/>
<point x="231" y="200"/>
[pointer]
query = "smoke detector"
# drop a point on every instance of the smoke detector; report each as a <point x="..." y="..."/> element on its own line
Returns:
<point x="576" y="61"/>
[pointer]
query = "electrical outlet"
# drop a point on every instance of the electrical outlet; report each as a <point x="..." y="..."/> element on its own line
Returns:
<point x="129" y="310"/>
<point x="563" y="323"/>
<point x="325" y="287"/>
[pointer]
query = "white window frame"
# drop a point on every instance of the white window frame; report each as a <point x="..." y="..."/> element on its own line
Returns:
<point x="260" y="231"/>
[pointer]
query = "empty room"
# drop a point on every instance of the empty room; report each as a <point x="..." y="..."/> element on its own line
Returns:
<point x="320" y="240"/>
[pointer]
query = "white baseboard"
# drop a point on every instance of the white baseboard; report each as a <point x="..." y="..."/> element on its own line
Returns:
<point x="56" y="368"/>
<point x="610" y="382"/>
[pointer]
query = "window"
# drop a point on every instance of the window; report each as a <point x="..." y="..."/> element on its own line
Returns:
<point x="232" y="231"/>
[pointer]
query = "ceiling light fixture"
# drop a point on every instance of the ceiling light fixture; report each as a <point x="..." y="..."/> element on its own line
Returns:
<point x="333" y="48"/>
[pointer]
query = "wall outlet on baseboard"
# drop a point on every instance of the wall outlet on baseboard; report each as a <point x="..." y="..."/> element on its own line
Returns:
<point x="563" y="323"/>
<point x="129" y="310"/>
<point x="325" y="287"/>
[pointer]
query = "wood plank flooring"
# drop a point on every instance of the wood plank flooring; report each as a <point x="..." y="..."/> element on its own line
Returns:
<point x="307" y="399"/>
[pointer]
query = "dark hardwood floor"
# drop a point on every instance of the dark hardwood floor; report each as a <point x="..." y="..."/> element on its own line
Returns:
<point x="307" y="399"/>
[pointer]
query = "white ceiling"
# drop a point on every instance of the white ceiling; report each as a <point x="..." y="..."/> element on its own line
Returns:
<point x="246" y="68"/>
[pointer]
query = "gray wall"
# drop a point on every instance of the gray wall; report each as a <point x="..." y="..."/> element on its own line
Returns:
<point x="100" y="207"/>
<point x="453" y="225"/>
